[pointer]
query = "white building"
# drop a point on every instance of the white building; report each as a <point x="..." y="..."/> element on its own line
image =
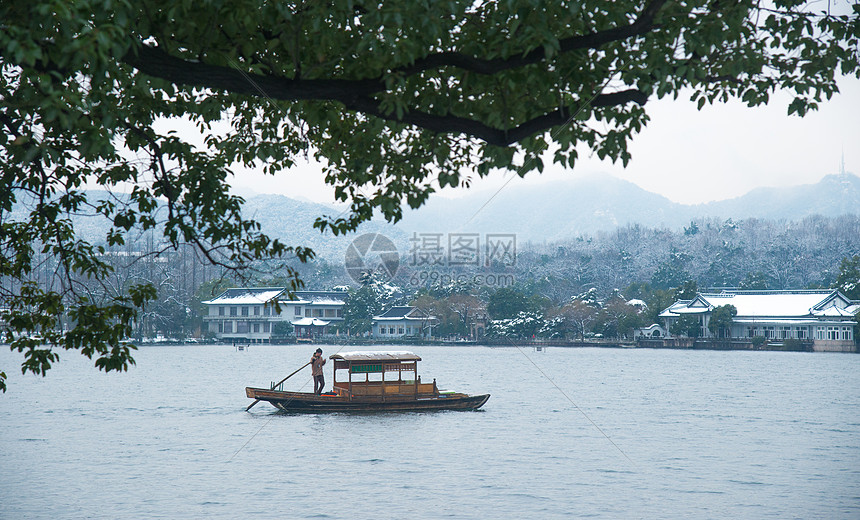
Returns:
<point x="654" y="331"/>
<point x="401" y="321"/>
<point x="251" y="314"/>
<point x="825" y="317"/>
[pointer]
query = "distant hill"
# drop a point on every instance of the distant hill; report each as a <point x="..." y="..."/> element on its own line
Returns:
<point x="558" y="211"/>
<point x="564" y="210"/>
<point x="549" y="212"/>
<point x="542" y="213"/>
<point x="833" y="196"/>
<point x="292" y="221"/>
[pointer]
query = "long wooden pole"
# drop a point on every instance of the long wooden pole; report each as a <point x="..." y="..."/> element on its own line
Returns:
<point x="279" y="382"/>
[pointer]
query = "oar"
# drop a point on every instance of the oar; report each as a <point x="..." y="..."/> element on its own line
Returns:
<point x="279" y="382"/>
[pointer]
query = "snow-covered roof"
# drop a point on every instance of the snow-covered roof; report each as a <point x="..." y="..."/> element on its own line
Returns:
<point x="652" y="327"/>
<point x="671" y="310"/>
<point x="835" y="312"/>
<point x="754" y="305"/>
<point x="246" y="296"/>
<point x="798" y="303"/>
<point x="777" y="321"/>
<point x="307" y="322"/>
<point x="691" y="310"/>
<point x="258" y="295"/>
<point x="316" y="298"/>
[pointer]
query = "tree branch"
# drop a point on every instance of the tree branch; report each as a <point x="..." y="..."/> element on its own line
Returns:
<point x="155" y="62"/>
<point x="356" y="94"/>
<point x="642" y="25"/>
<point x="493" y="136"/>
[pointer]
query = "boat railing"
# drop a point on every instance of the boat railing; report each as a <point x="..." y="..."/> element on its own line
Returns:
<point x="387" y="388"/>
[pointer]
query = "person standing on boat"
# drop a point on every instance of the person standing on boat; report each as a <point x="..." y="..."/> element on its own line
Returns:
<point x="317" y="362"/>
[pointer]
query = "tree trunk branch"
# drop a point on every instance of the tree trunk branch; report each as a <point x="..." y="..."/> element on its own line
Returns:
<point x="357" y="94"/>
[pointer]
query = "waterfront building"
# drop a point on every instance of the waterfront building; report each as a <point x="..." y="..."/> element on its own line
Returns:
<point x="824" y="318"/>
<point x="401" y="321"/>
<point x="254" y="315"/>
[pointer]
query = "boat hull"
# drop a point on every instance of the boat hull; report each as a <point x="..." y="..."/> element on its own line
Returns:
<point x="311" y="403"/>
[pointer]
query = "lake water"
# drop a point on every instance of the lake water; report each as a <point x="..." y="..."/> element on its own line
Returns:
<point x="600" y="433"/>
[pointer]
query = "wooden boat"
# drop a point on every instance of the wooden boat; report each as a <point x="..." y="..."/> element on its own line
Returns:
<point x="371" y="387"/>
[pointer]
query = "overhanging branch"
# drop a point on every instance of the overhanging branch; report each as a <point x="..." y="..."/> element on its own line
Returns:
<point x="155" y="62"/>
<point x="493" y="136"/>
<point x="358" y="94"/>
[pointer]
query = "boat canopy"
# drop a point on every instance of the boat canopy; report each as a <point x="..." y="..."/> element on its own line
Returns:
<point x="368" y="362"/>
<point x="370" y="356"/>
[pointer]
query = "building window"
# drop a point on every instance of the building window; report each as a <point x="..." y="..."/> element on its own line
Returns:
<point x="267" y="311"/>
<point x="391" y="330"/>
<point x="220" y="311"/>
<point x="266" y="327"/>
<point x="298" y="311"/>
<point x="307" y="313"/>
<point x="256" y="327"/>
<point x="256" y="311"/>
<point x="329" y="313"/>
<point x="244" y="311"/>
<point x="234" y="311"/>
<point x="318" y="313"/>
<point x="382" y="330"/>
<point x="400" y="330"/>
<point x="340" y="313"/>
<point x="228" y="327"/>
<point x="221" y="327"/>
<point x="242" y="327"/>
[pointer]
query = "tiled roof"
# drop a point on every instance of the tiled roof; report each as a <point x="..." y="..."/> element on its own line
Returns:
<point x="401" y="311"/>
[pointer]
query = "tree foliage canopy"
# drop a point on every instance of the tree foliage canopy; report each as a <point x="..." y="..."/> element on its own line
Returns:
<point x="848" y="280"/>
<point x="686" y="325"/>
<point x="507" y="303"/>
<point x="721" y="320"/>
<point x="394" y="98"/>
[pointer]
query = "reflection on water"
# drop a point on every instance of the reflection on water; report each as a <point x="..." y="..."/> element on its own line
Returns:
<point x="708" y="434"/>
